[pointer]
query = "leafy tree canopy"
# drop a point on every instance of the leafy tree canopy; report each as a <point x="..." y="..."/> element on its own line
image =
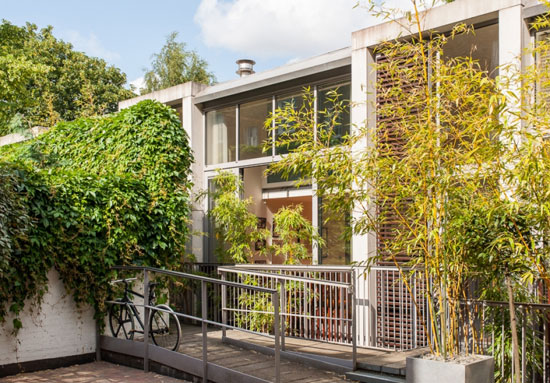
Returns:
<point x="46" y="81"/>
<point x="175" y="65"/>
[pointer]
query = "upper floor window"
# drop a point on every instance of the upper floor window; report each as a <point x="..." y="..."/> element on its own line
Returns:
<point x="229" y="138"/>
<point x="296" y="102"/>
<point x="333" y="114"/>
<point x="220" y="136"/>
<point x="252" y="132"/>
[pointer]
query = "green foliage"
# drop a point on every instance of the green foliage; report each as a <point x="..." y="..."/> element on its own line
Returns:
<point x="236" y="227"/>
<point x="175" y="65"/>
<point x="294" y="231"/>
<point x="446" y="161"/>
<point x="45" y="80"/>
<point x="313" y="154"/>
<point x="489" y="236"/>
<point x="259" y="316"/>
<point x="101" y="192"/>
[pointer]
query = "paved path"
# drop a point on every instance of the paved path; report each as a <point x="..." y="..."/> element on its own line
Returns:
<point x="97" y="372"/>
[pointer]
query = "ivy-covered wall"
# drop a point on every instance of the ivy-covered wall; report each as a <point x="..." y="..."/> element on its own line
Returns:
<point x="91" y="194"/>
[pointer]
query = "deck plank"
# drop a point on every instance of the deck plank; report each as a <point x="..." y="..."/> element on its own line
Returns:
<point x="247" y="361"/>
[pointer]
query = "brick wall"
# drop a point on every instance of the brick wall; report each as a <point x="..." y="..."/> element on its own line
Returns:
<point x="59" y="329"/>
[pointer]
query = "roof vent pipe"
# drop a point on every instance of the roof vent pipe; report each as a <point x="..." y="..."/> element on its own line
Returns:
<point x="246" y="67"/>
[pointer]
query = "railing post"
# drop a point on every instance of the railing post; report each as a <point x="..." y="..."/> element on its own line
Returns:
<point x="146" y="313"/>
<point x="352" y="291"/>
<point x="283" y="311"/>
<point x="276" y="326"/>
<point x="204" y="306"/>
<point x="224" y="305"/>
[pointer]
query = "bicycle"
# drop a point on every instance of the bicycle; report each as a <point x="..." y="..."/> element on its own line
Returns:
<point x="123" y="312"/>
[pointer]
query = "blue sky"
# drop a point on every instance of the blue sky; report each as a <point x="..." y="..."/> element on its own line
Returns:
<point x="126" y="33"/>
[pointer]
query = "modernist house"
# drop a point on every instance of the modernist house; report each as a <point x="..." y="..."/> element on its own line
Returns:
<point x="225" y="121"/>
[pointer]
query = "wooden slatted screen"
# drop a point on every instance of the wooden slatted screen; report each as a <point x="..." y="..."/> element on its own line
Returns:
<point x="397" y="315"/>
<point x="543" y="67"/>
<point x="391" y="142"/>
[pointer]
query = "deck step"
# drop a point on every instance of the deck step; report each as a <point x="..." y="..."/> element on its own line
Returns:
<point x="373" y="377"/>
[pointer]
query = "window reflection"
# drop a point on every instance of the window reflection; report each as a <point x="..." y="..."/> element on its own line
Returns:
<point x="333" y="122"/>
<point x="295" y="102"/>
<point x="220" y="136"/>
<point x="252" y="133"/>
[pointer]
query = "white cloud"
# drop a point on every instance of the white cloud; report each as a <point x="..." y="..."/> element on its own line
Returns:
<point x="279" y="28"/>
<point x="89" y="44"/>
<point x="138" y="83"/>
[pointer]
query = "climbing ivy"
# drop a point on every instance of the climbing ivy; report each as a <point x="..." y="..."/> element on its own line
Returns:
<point x="91" y="194"/>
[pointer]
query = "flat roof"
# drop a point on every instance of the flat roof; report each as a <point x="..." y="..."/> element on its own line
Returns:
<point x="166" y="96"/>
<point x="440" y="18"/>
<point x="327" y="62"/>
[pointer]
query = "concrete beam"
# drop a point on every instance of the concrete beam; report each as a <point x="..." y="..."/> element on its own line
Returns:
<point x="18" y="137"/>
<point x="166" y="96"/>
<point x="289" y="72"/>
<point x="441" y="19"/>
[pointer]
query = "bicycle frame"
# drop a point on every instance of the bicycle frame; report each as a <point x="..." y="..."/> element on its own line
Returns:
<point x="126" y="299"/>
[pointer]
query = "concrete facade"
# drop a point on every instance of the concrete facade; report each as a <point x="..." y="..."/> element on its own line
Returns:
<point x="511" y="19"/>
<point x="353" y="63"/>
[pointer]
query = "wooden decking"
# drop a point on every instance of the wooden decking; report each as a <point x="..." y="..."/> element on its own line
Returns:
<point x="247" y="353"/>
<point x="248" y="361"/>
<point x="380" y="360"/>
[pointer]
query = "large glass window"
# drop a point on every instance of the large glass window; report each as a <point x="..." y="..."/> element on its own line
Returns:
<point x="252" y="133"/>
<point x="333" y="116"/>
<point x="220" y="136"/>
<point x="337" y="248"/>
<point x="295" y="102"/>
<point x="481" y="46"/>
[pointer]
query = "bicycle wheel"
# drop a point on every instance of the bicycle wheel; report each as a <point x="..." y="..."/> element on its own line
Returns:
<point x="121" y="321"/>
<point x="165" y="328"/>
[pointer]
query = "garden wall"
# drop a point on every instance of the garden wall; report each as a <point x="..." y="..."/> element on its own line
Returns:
<point x="58" y="331"/>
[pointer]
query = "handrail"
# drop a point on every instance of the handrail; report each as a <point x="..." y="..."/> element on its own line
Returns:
<point x="204" y="321"/>
<point x="347" y="290"/>
<point x="506" y="304"/>
<point x="284" y="277"/>
<point x="193" y="317"/>
<point x="312" y="268"/>
<point x="195" y="277"/>
<point x="392" y="268"/>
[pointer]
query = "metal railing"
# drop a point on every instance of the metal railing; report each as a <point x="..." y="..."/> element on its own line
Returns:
<point x="401" y="309"/>
<point x="402" y="322"/>
<point x="485" y="329"/>
<point x="317" y="303"/>
<point x="225" y="285"/>
<point x="187" y="298"/>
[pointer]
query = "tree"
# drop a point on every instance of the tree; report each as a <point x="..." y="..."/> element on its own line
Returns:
<point x="236" y="228"/>
<point x="175" y="65"/>
<point x="457" y="172"/>
<point x="294" y="231"/>
<point x="46" y="81"/>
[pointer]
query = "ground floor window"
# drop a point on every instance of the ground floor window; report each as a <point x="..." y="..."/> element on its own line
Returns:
<point x="337" y="249"/>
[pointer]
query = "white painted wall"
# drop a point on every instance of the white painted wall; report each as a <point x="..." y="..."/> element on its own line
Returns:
<point x="18" y="137"/>
<point x="59" y="329"/>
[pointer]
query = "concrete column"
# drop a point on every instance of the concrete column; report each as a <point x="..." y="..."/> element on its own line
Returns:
<point x="192" y="119"/>
<point x="316" y="224"/>
<point x="513" y="36"/>
<point x="362" y="114"/>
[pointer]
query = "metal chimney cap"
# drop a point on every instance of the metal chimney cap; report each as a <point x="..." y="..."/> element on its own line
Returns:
<point x="246" y="67"/>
